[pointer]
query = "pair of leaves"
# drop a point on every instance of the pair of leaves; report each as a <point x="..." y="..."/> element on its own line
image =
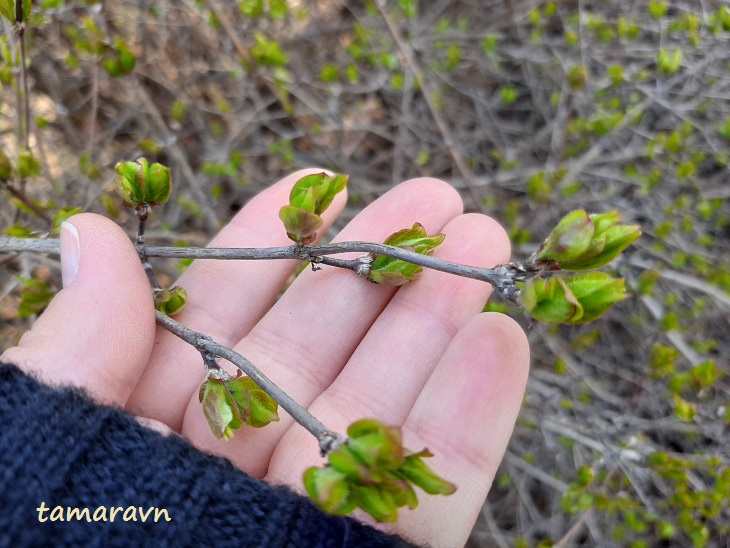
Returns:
<point x="309" y="198"/>
<point x="576" y="300"/>
<point x="9" y="10"/>
<point x="228" y="404"/>
<point x="394" y="272"/>
<point x="371" y="470"/>
<point x="583" y="242"/>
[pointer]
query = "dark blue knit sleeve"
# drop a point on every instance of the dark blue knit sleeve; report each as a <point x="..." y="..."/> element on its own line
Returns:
<point x="74" y="473"/>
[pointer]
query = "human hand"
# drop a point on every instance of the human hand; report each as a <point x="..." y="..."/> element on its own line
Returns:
<point x="421" y="357"/>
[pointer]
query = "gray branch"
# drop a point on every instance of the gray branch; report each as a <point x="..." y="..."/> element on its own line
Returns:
<point x="502" y="277"/>
<point x="328" y="440"/>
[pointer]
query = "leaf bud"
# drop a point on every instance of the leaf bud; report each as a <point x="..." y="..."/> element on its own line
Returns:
<point x="170" y="301"/>
<point x="575" y="300"/>
<point x="329" y="490"/>
<point x="583" y="242"/>
<point x="394" y="272"/>
<point x="139" y="183"/>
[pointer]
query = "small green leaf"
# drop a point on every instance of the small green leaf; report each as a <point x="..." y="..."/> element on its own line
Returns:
<point x="423" y="476"/>
<point x="7" y="10"/>
<point x="35" y="296"/>
<point x="28" y="165"/>
<point x="705" y="374"/>
<point x="63" y="214"/>
<point x="18" y="231"/>
<point x="6" y="166"/>
<point x="394" y="272"/>
<point x="267" y="52"/>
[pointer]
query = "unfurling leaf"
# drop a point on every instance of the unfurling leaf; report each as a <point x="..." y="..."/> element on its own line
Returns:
<point x="583" y="242"/>
<point x="309" y="198"/>
<point x="139" y="183"/>
<point x="419" y="473"/>
<point x="170" y="301"/>
<point x="314" y="193"/>
<point x="372" y="471"/>
<point x="575" y="300"/>
<point x="394" y="272"/>
<point x="229" y="403"/>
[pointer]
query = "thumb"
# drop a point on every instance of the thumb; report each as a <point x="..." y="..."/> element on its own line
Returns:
<point x="97" y="333"/>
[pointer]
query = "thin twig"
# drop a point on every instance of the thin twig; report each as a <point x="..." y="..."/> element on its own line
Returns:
<point x="328" y="440"/>
<point x="502" y="277"/>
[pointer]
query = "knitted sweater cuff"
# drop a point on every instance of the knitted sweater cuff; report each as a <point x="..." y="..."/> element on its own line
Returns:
<point x="73" y="472"/>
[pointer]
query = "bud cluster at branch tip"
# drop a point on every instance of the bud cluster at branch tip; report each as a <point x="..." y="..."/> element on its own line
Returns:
<point x="141" y="184"/>
<point x="371" y="470"/>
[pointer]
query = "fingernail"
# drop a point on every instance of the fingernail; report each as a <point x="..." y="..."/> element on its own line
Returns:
<point x="70" y="253"/>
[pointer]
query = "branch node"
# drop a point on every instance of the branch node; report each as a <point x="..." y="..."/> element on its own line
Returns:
<point x="365" y="264"/>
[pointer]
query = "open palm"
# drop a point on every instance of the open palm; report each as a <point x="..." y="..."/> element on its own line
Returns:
<point x="422" y="357"/>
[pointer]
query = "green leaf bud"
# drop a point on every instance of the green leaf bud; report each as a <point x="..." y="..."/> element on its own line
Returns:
<point x="314" y="193"/>
<point x="394" y="272"/>
<point x="596" y="292"/>
<point x="170" y="301"/>
<point x="229" y="403"/>
<point x="261" y="409"/>
<point x="585" y="242"/>
<point x="549" y="300"/>
<point x="221" y="412"/>
<point x="377" y="446"/>
<point x="576" y="300"/>
<point x="569" y="239"/>
<point x="139" y="183"/>
<point x="301" y="225"/>
<point x="329" y="490"/>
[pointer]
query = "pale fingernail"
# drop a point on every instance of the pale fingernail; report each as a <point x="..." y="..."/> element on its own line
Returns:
<point x="70" y="252"/>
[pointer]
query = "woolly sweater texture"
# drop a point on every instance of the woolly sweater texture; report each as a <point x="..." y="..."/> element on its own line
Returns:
<point x="60" y="449"/>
